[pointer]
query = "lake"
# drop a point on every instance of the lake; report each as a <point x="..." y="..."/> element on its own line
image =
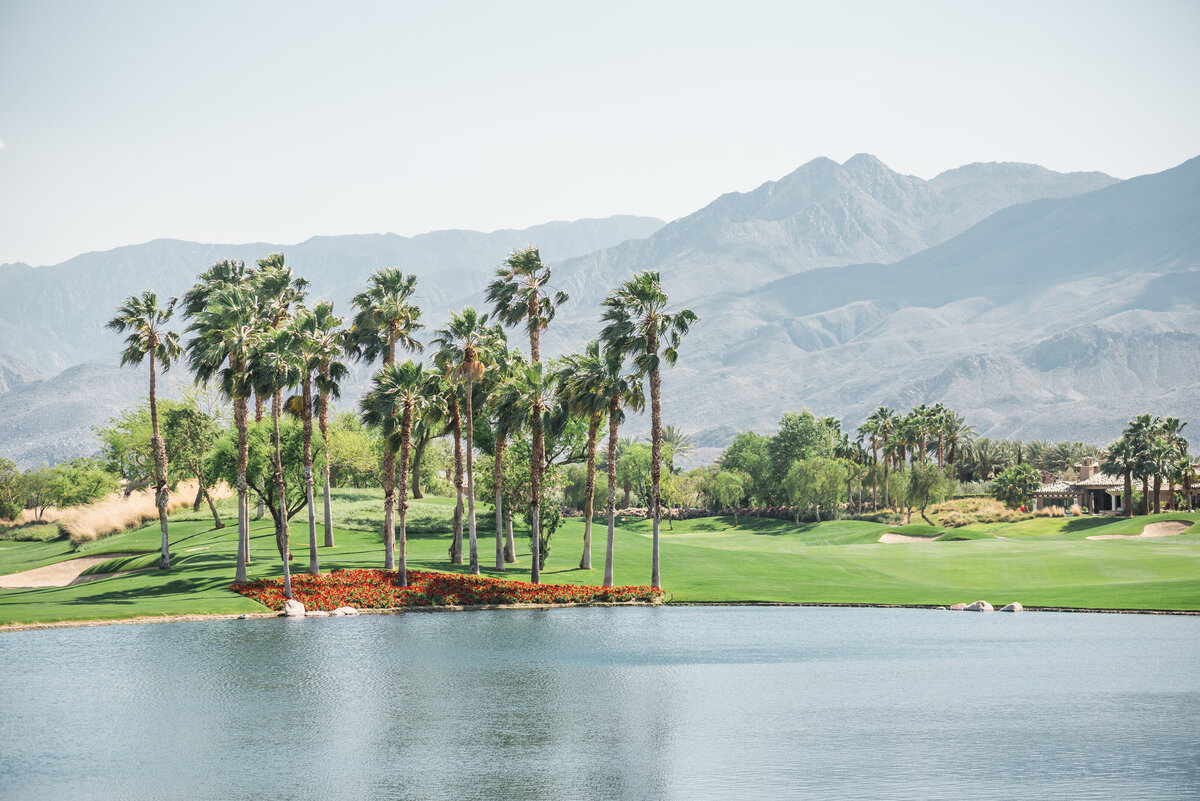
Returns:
<point x="640" y="703"/>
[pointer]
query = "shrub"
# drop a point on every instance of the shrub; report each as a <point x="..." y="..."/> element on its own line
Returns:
<point x="1076" y="510"/>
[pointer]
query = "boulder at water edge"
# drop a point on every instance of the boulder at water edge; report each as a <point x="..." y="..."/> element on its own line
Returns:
<point x="979" y="606"/>
<point x="293" y="608"/>
<point x="958" y="607"/>
<point x="345" y="610"/>
<point x="1015" y="606"/>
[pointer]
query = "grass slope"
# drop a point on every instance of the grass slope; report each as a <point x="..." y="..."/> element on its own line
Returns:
<point x="1040" y="562"/>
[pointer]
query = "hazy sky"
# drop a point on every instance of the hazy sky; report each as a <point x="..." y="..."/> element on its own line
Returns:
<point x="242" y="121"/>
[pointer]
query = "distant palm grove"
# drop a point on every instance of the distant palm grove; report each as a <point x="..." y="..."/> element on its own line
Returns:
<point x="511" y="435"/>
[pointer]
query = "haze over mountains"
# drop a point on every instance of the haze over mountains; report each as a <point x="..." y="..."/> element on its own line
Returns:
<point x="1038" y="303"/>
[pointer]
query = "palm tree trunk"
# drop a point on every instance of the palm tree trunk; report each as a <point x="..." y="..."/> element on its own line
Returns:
<point x="655" y="458"/>
<point x="1128" y="493"/>
<point x="589" y="493"/>
<point x="389" y="509"/>
<point x="456" y="550"/>
<point x="314" y="566"/>
<point x="160" y="471"/>
<point x="536" y="462"/>
<point x="1145" y="494"/>
<point x="874" y="476"/>
<point x="323" y="422"/>
<point x="1157" y="493"/>
<point x="886" y="495"/>
<point x="284" y="544"/>
<point x="414" y="471"/>
<point x="473" y="548"/>
<point x="613" y="408"/>
<point x="405" y="437"/>
<point x="510" y="544"/>
<point x="498" y="483"/>
<point x="239" y="420"/>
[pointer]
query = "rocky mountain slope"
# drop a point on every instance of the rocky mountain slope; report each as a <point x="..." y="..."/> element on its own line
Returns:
<point x="1040" y="304"/>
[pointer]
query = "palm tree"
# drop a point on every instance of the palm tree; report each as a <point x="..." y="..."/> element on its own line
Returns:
<point x="451" y="397"/>
<point x="531" y="395"/>
<point x="1142" y="431"/>
<point x="520" y="294"/>
<point x="1122" y="459"/>
<point x="871" y="430"/>
<point x="317" y="344"/>
<point x="584" y="384"/>
<point x="958" y="434"/>
<point x="275" y="364"/>
<point x="226" y="330"/>
<point x="383" y="320"/>
<point x="327" y="340"/>
<point x="639" y="325"/>
<point x="149" y="339"/>
<point x="1176" y="446"/>
<point x="403" y="391"/>
<point x="509" y="363"/>
<point x="465" y="350"/>
<point x="678" y="445"/>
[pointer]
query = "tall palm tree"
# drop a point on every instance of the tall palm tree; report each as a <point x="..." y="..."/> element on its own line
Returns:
<point x="465" y="350"/>
<point x="148" y="339"/>
<point x="958" y="434"/>
<point x="1142" y="431"/>
<point x="531" y="394"/>
<point x="509" y="364"/>
<point x="1176" y="446"/>
<point x="384" y="319"/>
<point x="275" y="365"/>
<point x="328" y="347"/>
<point x="870" y="430"/>
<point x="400" y="394"/>
<point x="1122" y="459"/>
<point x="520" y="293"/>
<point x="584" y="383"/>
<point x="226" y="329"/>
<point x="639" y="324"/>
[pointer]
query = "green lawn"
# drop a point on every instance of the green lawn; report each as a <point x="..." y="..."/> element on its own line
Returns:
<point x="1039" y="562"/>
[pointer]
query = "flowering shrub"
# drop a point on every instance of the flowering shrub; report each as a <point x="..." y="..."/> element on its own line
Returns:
<point x="377" y="589"/>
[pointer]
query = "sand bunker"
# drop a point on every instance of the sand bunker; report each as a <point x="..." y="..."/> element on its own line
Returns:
<point x="1168" y="528"/>
<point x="62" y="574"/>
<point x="891" y="536"/>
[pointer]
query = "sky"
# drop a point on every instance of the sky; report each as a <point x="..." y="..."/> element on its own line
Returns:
<point x="229" y="122"/>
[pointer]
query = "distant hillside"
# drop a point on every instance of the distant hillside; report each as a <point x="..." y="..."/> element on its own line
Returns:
<point x="1040" y="304"/>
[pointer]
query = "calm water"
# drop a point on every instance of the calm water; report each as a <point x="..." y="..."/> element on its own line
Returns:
<point x="686" y="703"/>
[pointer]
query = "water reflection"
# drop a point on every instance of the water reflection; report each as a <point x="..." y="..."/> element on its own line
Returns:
<point x="687" y="703"/>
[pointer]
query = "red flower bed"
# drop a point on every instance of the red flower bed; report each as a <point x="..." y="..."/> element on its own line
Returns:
<point x="377" y="589"/>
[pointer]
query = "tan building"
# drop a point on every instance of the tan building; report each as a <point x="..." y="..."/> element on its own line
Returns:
<point x="1097" y="492"/>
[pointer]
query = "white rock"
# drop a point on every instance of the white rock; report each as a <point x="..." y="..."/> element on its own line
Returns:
<point x="293" y="608"/>
<point x="958" y="607"/>
<point x="345" y="610"/>
<point x="243" y="617"/>
<point x="1015" y="606"/>
<point x="978" y="606"/>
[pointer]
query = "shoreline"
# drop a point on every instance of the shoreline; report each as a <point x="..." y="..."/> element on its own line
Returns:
<point x="150" y="619"/>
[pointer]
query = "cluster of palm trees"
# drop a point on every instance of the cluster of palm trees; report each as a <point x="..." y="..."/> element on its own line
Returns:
<point x="924" y="433"/>
<point x="1153" y="450"/>
<point x="252" y="334"/>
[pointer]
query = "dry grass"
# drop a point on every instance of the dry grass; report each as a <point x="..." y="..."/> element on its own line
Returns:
<point x="1050" y="511"/>
<point x="1076" y="510"/>
<point x="118" y="512"/>
<point x="966" y="511"/>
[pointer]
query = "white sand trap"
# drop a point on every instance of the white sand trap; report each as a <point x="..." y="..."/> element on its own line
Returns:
<point x="1167" y="528"/>
<point x="891" y="536"/>
<point x="62" y="574"/>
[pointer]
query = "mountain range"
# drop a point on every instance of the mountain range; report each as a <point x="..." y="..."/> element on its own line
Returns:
<point x="1038" y="303"/>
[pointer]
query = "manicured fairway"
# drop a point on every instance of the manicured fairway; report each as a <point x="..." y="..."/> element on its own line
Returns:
<point x="1041" y="562"/>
